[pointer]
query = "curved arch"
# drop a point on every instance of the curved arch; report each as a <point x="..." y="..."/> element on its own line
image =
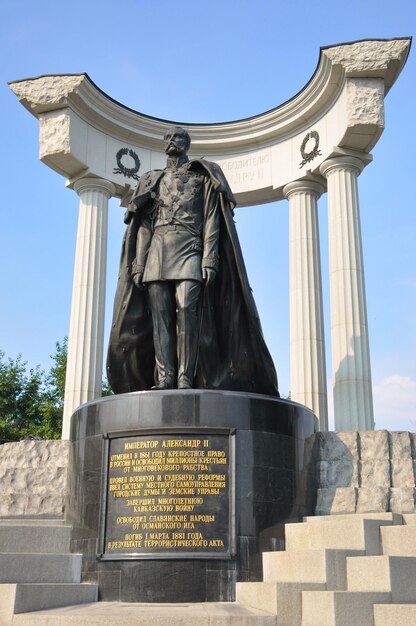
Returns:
<point x="342" y="103"/>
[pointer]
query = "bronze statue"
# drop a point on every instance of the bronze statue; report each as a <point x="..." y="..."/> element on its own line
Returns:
<point x="184" y="315"/>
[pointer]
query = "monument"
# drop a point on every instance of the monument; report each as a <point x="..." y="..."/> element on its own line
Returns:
<point x="189" y="472"/>
<point x="197" y="455"/>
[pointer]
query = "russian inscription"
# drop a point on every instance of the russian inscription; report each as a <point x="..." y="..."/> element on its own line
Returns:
<point x="167" y="495"/>
<point x="248" y="170"/>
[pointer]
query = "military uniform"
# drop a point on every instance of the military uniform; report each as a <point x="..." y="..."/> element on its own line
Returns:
<point x="178" y="237"/>
<point x="232" y="354"/>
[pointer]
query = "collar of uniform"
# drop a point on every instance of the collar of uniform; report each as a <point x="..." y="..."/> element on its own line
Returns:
<point x="176" y="162"/>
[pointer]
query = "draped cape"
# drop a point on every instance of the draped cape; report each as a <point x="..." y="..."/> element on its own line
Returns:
<point x="232" y="352"/>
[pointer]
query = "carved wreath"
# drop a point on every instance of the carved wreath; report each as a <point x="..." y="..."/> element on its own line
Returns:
<point x="309" y="156"/>
<point x="130" y="172"/>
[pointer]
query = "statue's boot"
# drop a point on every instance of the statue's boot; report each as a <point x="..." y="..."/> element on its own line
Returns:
<point x="164" y="384"/>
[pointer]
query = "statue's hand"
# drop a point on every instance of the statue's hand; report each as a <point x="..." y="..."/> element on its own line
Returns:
<point x="208" y="275"/>
<point x="138" y="280"/>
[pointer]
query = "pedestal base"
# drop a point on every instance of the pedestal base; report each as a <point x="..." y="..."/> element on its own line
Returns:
<point x="269" y="436"/>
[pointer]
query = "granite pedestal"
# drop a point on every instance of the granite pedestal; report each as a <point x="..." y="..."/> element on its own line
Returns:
<point x="267" y="487"/>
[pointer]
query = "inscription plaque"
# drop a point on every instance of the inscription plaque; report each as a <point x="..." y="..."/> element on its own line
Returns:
<point x="168" y="494"/>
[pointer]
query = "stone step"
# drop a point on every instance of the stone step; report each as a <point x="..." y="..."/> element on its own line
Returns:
<point x="352" y="534"/>
<point x="399" y="540"/>
<point x="40" y="568"/>
<point x="25" y="597"/>
<point x="394" y="614"/>
<point x="394" y="518"/>
<point x="314" y="566"/>
<point x="132" y="614"/>
<point x="282" y="599"/>
<point x="34" y="537"/>
<point x="396" y="574"/>
<point x="340" y="608"/>
<point x="409" y="518"/>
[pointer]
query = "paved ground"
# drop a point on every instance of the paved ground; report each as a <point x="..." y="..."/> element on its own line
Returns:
<point x="129" y="614"/>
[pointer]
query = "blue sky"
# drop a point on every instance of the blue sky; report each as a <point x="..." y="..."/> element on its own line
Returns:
<point x="191" y="62"/>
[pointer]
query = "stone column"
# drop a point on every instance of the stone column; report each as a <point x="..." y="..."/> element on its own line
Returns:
<point x="86" y="332"/>
<point x="353" y="398"/>
<point x="307" y="343"/>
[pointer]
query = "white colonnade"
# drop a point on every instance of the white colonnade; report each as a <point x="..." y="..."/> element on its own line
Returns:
<point x="86" y="332"/>
<point x="351" y="369"/>
<point x="307" y="343"/>
<point x="353" y="399"/>
<point x="349" y="332"/>
<point x="329" y="128"/>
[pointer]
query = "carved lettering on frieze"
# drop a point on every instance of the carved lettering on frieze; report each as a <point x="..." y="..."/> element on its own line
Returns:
<point x="246" y="170"/>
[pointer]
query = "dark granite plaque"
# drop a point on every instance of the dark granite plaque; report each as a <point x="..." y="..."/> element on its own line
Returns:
<point x="168" y="494"/>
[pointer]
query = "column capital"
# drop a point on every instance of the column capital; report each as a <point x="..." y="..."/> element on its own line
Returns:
<point x="345" y="161"/>
<point x="309" y="184"/>
<point x="94" y="184"/>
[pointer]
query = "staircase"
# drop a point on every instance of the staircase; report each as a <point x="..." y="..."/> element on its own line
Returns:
<point x="37" y="569"/>
<point x="340" y="571"/>
<point x="344" y="570"/>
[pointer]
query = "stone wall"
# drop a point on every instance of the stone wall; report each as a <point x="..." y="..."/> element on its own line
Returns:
<point x="369" y="471"/>
<point x="355" y="472"/>
<point x="36" y="479"/>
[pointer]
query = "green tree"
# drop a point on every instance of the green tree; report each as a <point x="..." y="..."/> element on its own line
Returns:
<point x="21" y="399"/>
<point x="32" y="402"/>
<point x="57" y="373"/>
<point x="54" y="392"/>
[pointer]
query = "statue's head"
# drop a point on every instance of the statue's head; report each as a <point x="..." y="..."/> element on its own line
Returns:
<point x="176" y="141"/>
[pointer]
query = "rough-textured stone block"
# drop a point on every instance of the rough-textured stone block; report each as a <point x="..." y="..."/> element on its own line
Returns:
<point x="336" y="446"/>
<point x="365" y="99"/>
<point x="413" y="444"/>
<point x="374" y="444"/>
<point x="342" y="500"/>
<point x="41" y="481"/>
<point x="403" y="500"/>
<point x="32" y="505"/>
<point x="35" y="454"/>
<point x="400" y="445"/>
<point x="36" y="478"/>
<point x="364" y="56"/>
<point x="340" y="473"/>
<point x="373" y="499"/>
<point x="375" y="473"/>
<point x="373" y="461"/>
<point x="345" y="500"/>
<point x="402" y="472"/>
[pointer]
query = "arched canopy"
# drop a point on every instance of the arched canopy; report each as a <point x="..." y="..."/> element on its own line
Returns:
<point x="83" y="131"/>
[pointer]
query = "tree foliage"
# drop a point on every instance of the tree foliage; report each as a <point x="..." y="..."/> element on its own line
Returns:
<point x="31" y="400"/>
